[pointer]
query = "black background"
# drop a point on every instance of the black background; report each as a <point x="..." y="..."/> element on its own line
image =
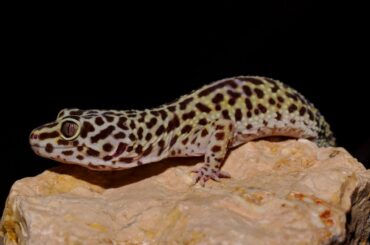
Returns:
<point x="135" y="57"/>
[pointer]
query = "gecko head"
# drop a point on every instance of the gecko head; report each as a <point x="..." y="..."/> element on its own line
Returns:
<point x="95" y="139"/>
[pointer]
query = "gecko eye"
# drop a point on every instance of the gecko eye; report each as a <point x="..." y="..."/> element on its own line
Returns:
<point x="70" y="129"/>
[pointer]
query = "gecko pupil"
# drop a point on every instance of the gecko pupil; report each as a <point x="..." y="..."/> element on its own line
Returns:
<point x="69" y="129"/>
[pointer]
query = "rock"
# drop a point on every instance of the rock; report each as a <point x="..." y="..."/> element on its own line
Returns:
<point x="288" y="192"/>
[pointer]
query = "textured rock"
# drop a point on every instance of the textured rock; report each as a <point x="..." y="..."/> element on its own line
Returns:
<point x="280" y="193"/>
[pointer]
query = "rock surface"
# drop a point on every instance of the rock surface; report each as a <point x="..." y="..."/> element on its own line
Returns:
<point x="289" y="192"/>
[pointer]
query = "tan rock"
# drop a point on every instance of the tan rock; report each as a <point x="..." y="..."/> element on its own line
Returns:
<point x="280" y="193"/>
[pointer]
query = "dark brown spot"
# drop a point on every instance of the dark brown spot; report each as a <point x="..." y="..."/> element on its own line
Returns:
<point x="272" y="101"/>
<point x="204" y="132"/>
<point x="238" y="114"/>
<point x="163" y="114"/>
<point x="278" y="105"/>
<point x="67" y="153"/>
<point x="132" y="137"/>
<point x="120" y="149"/>
<point x="185" y="102"/>
<point x="193" y="141"/>
<point x="293" y="96"/>
<point x="302" y="111"/>
<point x="161" y="147"/>
<point x="130" y="148"/>
<point x="140" y="132"/>
<point x="103" y="134"/>
<point x="76" y="113"/>
<point x="310" y="114"/>
<point x="188" y="115"/>
<point x="107" y="147"/>
<point x="49" y="148"/>
<point x="203" y="121"/>
<point x="218" y="107"/>
<point x="122" y="123"/>
<point x="92" y="152"/>
<point x="148" y="136"/>
<point x="220" y="135"/>
<point x="280" y="99"/>
<point x="160" y="130"/>
<point x="185" y="141"/>
<point x="255" y="81"/>
<point x="259" y="93"/>
<point x="220" y="127"/>
<point x="154" y="113"/>
<point x="119" y="135"/>
<point x="132" y="124"/>
<point x="248" y="103"/>
<point x="173" y="140"/>
<point x="75" y="143"/>
<point x="247" y="90"/>
<point x="48" y="135"/>
<point x="109" y="118"/>
<point x="265" y="122"/>
<point x="222" y="84"/>
<point x="231" y="101"/>
<point x="202" y="107"/>
<point x="141" y="119"/>
<point x="233" y="94"/>
<point x="218" y="98"/>
<point x="218" y="160"/>
<point x="292" y="108"/>
<point x="151" y="122"/>
<point x="79" y="157"/>
<point x="86" y="128"/>
<point x="174" y="123"/>
<point x="256" y="111"/>
<point x="292" y="121"/>
<point x="249" y="126"/>
<point x="126" y="159"/>
<point x="80" y="148"/>
<point x="278" y="116"/>
<point x="225" y="114"/>
<point x="274" y="83"/>
<point x="148" y="150"/>
<point x="172" y="108"/>
<point x="186" y="129"/>
<point x="62" y="142"/>
<point x="107" y="158"/>
<point x="216" y="148"/>
<point x="262" y="108"/>
<point x="139" y="149"/>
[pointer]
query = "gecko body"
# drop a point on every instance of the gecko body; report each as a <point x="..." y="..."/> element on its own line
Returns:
<point x="207" y="122"/>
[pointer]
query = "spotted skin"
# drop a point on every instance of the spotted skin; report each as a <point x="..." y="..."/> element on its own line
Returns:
<point x="207" y="122"/>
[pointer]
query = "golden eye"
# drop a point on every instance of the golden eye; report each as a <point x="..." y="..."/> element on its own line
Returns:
<point x="69" y="129"/>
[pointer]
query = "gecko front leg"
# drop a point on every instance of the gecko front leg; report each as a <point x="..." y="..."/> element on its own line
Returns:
<point x="222" y="132"/>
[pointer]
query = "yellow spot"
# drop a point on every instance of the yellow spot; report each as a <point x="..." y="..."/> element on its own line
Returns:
<point x="98" y="227"/>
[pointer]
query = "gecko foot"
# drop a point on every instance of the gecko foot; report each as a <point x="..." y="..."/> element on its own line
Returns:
<point x="204" y="174"/>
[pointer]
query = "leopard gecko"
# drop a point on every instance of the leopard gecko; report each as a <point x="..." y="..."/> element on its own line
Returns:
<point x="207" y="122"/>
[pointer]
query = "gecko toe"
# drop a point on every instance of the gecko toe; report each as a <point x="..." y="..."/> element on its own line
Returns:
<point x="203" y="175"/>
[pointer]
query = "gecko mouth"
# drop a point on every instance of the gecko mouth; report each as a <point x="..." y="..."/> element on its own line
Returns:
<point x="48" y="148"/>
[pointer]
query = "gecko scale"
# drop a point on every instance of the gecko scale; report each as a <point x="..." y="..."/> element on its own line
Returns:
<point x="207" y="122"/>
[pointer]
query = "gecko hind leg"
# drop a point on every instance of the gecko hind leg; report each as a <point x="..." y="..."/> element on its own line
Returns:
<point x="219" y="141"/>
